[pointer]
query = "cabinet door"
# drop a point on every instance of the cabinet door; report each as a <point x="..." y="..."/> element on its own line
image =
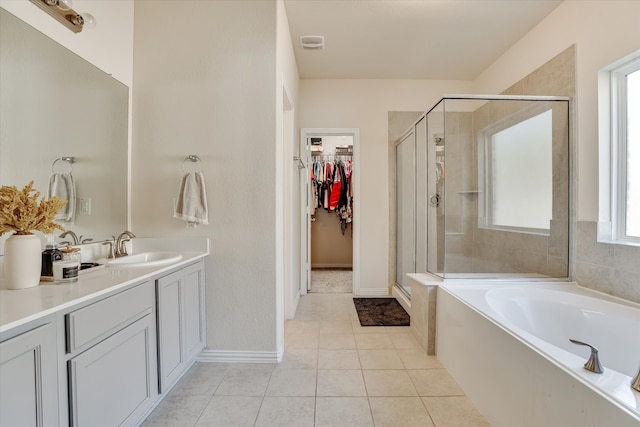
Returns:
<point x="181" y="322"/>
<point x="171" y="356"/>
<point x="29" y="386"/>
<point x="194" y="311"/>
<point x="113" y="383"/>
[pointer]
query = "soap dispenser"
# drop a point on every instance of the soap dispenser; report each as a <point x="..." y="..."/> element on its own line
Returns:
<point x="50" y="255"/>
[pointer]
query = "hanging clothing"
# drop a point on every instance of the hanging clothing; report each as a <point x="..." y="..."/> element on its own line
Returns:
<point x="332" y="190"/>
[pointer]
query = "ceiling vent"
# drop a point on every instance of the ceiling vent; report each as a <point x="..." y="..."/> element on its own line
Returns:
<point x="312" y="42"/>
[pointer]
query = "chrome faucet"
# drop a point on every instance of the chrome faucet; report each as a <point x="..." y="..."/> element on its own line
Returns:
<point x="593" y="364"/>
<point x="111" y="244"/>
<point x="73" y="235"/>
<point x="120" y="248"/>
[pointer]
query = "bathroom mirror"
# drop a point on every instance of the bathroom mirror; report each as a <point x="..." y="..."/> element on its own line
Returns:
<point x="55" y="104"/>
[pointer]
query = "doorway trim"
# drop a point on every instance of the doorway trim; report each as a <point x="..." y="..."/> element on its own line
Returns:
<point x="305" y="134"/>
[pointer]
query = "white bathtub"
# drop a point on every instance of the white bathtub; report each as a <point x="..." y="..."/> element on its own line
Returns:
<point x="507" y="344"/>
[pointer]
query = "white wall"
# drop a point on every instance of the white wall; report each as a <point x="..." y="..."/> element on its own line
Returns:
<point x="212" y="88"/>
<point x="365" y="104"/>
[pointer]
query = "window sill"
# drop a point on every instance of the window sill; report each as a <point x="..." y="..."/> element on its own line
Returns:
<point x="604" y="236"/>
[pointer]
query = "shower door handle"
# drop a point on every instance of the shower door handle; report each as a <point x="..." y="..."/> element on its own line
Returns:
<point x="434" y="200"/>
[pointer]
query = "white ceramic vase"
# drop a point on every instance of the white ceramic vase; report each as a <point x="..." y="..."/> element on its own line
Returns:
<point x="22" y="261"/>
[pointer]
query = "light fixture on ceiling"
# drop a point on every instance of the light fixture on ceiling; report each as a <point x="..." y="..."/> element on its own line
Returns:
<point x="312" y="42"/>
<point x="61" y="10"/>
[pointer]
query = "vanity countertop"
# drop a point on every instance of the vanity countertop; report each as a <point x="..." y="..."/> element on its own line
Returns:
<point x="18" y="307"/>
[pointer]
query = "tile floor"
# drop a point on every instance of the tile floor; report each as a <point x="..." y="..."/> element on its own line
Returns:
<point x="334" y="373"/>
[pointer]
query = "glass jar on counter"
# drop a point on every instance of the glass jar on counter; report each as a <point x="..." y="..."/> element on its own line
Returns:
<point x="68" y="267"/>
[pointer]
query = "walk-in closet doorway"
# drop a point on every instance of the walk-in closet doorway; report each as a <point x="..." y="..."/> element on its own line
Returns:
<point x="330" y="211"/>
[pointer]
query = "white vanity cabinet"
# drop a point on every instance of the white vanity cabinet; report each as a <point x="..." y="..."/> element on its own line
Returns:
<point x="181" y="321"/>
<point x="102" y="351"/>
<point x="29" y="374"/>
<point x="112" y="366"/>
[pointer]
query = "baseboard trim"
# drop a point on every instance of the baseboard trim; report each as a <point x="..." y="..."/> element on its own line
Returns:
<point x="372" y="292"/>
<point x="331" y="266"/>
<point x="240" y="356"/>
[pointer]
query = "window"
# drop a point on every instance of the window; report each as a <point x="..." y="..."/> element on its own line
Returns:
<point x="619" y="102"/>
<point x="632" y="217"/>
<point x="517" y="176"/>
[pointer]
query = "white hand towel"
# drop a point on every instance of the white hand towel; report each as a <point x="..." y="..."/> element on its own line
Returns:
<point x="192" y="200"/>
<point x="63" y="186"/>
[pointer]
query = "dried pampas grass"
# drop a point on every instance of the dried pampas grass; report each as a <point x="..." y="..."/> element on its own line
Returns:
<point x="21" y="212"/>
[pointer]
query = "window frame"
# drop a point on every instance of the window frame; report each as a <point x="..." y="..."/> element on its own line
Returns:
<point x="612" y="114"/>
<point x="485" y="169"/>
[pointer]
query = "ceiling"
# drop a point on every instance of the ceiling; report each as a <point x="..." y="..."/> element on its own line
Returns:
<point x="409" y="39"/>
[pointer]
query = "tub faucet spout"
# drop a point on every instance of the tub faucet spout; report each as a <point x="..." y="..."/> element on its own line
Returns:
<point x="593" y="364"/>
<point x="635" y="384"/>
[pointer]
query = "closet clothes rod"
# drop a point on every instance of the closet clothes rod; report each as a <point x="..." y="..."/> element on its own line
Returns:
<point x="332" y="155"/>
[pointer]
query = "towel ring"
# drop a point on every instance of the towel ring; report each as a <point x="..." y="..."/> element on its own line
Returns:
<point x="68" y="160"/>
<point x="193" y="158"/>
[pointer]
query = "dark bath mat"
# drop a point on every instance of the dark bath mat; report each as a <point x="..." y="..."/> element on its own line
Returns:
<point x="380" y="312"/>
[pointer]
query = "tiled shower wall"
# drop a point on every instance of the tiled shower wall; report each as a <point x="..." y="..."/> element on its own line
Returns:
<point x="470" y="248"/>
<point x="610" y="268"/>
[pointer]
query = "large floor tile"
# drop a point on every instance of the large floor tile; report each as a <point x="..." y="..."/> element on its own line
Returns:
<point x="302" y="340"/>
<point x="230" y="411"/>
<point x="286" y="411"/>
<point x="299" y="358"/>
<point x="457" y="411"/>
<point x="434" y="382"/>
<point x="177" y="411"/>
<point x="380" y="359"/>
<point x="292" y="382"/>
<point x="394" y="382"/>
<point x="201" y="379"/>
<point x="343" y="411"/>
<point x="404" y="341"/>
<point x="344" y="341"/>
<point x="359" y="329"/>
<point x="302" y="326"/>
<point x="340" y="383"/>
<point x="244" y="382"/>
<point x="399" y="412"/>
<point x="335" y="327"/>
<point x="418" y="359"/>
<point x="373" y="341"/>
<point x="338" y="359"/>
<point x="398" y="329"/>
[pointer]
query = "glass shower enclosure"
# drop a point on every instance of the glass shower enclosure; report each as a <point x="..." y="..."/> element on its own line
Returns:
<point x="483" y="189"/>
<point x="497" y="187"/>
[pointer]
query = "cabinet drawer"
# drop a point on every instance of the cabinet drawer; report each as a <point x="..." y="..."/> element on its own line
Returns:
<point x="112" y="313"/>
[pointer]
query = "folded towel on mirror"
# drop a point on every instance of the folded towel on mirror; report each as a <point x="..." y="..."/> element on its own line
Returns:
<point x="62" y="186"/>
<point x="192" y="200"/>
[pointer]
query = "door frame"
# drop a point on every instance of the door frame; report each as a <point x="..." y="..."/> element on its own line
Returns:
<point x="305" y="267"/>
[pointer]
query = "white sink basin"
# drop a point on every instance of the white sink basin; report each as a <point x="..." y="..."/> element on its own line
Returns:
<point x="145" y="259"/>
